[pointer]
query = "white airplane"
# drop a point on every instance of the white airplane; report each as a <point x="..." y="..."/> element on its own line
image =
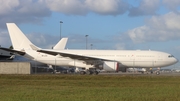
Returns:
<point x="91" y="60"/>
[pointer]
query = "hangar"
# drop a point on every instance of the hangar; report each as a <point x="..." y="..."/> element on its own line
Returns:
<point x="7" y="66"/>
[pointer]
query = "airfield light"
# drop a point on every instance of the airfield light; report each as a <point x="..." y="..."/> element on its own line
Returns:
<point x="86" y="41"/>
<point x="91" y="46"/>
<point x="60" y="29"/>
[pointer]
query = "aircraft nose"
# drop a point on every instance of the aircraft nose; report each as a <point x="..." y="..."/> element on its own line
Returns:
<point x="176" y="60"/>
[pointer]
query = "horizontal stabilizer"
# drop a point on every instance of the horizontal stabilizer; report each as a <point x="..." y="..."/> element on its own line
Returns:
<point x="13" y="51"/>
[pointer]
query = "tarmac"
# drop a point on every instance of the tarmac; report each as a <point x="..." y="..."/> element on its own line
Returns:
<point x="143" y="74"/>
<point x="120" y="73"/>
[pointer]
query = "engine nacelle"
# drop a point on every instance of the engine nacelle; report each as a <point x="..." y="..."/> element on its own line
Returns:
<point x="107" y="65"/>
<point x="81" y="64"/>
<point x="111" y="66"/>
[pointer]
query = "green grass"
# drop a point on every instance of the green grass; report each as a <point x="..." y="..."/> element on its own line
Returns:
<point x="89" y="88"/>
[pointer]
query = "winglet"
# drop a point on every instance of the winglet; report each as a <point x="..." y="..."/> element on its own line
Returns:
<point x="13" y="51"/>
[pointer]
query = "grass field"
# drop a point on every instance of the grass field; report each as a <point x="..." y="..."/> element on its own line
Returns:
<point x="89" y="88"/>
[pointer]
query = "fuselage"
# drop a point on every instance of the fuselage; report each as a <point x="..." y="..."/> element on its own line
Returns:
<point x="126" y="58"/>
<point x="87" y="58"/>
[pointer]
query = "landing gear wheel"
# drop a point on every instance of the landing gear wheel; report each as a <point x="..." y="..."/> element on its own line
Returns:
<point x="82" y="72"/>
<point x="151" y="72"/>
<point x="157" y="73"/>
<point x="96" y="72"/>
<point x="54" y="71"/>
<point x="89" y="72"/>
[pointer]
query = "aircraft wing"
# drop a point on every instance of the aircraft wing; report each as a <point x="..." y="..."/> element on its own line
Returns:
<point x="13" y="51"/>
<point x="73" y="55"/>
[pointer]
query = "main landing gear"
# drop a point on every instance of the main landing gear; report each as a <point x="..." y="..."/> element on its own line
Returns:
<point x="157" y="72"/>
<point x="89" y="72"/>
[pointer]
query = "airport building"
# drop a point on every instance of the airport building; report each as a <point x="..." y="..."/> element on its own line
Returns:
<point x="7" y="66"/>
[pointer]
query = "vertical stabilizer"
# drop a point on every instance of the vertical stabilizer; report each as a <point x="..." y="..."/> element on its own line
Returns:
<point x="18" y="39"/>
<point x="61" y="44"/>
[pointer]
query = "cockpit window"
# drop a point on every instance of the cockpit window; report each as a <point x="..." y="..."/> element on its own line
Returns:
<point x="170" y="56"/>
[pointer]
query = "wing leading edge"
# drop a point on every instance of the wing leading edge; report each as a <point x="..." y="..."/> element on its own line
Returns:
<point x="73" y="55"/>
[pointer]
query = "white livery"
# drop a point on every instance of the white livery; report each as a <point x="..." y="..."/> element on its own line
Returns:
<point x="110" y="60"/>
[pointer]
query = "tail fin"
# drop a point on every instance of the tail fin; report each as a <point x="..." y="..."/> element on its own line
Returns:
<point x="61" y="44"/>
<point x="18" y="39"/>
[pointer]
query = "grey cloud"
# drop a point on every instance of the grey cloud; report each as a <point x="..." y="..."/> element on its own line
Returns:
<point x="168" y="22"/>
<point x="5" y="39"/>
<point x="158" y="28"/>
<point x="33" y="11"/>
<point x="146" y="7"/>
<point x="20" y="11"/>
<point x="107" y="7"/>
<point x="69" y="7"/>
<point x="43" y="40"/>
<point x="7" y="6"/>
<point x="79" y="40"/>
<point x="83" y="7"/>
<point x="171" y="4"/>
<point x="38" y="39"/>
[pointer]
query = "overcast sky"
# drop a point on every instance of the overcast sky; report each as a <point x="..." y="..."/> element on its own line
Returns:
<point x="110" y="24"/>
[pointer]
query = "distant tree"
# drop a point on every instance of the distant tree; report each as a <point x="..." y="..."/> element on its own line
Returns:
<point x="11" y="47"/>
